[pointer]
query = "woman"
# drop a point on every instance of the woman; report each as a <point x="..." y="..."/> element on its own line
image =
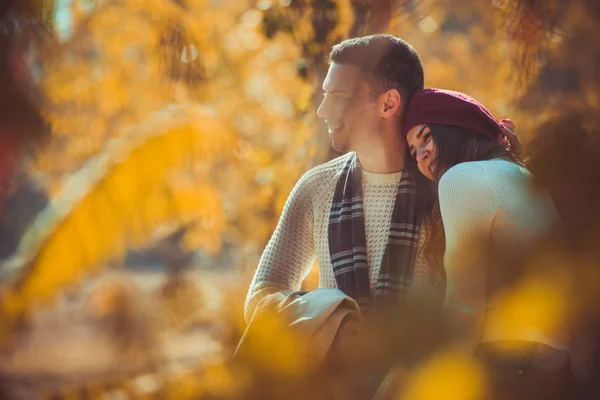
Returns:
<point x="490" y="214"/>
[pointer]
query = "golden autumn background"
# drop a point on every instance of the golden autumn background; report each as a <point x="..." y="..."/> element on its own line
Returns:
<point x="133" y="218"/>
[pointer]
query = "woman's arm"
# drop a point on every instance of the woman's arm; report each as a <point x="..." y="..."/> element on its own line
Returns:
<point x="468" y="207"/>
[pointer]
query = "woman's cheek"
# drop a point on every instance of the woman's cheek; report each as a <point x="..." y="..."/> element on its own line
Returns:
<point x="423" y="170"/>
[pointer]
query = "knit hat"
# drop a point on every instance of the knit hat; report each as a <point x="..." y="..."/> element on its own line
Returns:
<point x="447" y="107"/>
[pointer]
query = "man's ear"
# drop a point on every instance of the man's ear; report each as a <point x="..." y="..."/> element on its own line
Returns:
<point x="389" y="103"/>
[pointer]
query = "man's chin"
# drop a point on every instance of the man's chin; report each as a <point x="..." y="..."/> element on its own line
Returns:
<point x="341" y="148"/>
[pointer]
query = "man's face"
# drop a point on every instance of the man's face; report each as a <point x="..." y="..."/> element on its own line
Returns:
<point x="350" y="113"/>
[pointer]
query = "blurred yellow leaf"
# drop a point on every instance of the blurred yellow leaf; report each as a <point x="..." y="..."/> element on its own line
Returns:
<point x="448" y="375"/>
<point x="71" y="236"/>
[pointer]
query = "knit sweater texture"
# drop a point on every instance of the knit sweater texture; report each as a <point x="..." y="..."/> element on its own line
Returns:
<point x="490" y="209"/>
<point x="301" y="236"/>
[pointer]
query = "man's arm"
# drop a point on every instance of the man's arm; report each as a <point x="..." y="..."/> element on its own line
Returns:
<point x="467" y="208"/>
<point x="290" y="253"/>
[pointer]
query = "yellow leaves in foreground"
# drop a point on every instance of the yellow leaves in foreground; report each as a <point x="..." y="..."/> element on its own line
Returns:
<point x="449" y="375"/>
<point x="271" y="345"/>
<point x="215" y="379"/>
<point x="538" y="305"/>
<point x="102" y="208"/>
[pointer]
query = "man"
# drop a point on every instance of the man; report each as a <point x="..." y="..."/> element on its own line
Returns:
<point x="358" y="214"/>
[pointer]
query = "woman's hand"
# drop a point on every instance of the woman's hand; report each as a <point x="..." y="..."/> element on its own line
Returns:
<point x="511" y="141"/>
<point x="509" y="124"/>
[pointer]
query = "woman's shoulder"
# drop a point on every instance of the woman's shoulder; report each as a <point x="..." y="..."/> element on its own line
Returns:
<point x="482" y="173"/>
<point x="469" y="187"/>
<point x="472" y="172"/>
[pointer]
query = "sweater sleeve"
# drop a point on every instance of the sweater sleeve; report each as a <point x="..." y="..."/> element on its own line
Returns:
<point x="467" y="206"/>
<point x="290" y="253"/>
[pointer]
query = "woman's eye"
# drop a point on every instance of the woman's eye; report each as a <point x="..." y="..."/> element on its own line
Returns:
<point x="427" y="136"/>
<point x="413" y="154"/>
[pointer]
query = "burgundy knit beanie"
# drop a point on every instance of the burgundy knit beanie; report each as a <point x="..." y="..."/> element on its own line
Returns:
<point x="447" y="107"/>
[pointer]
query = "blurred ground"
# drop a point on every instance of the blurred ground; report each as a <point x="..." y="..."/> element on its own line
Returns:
<point x="75" y="341"/>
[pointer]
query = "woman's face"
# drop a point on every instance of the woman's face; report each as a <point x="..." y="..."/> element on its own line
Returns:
<point x="422" y="148"/>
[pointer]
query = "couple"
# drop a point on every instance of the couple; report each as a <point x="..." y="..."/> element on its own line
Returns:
<point x="377" y="230"/>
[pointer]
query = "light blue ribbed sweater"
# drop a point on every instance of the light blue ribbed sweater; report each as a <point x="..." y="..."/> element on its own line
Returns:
<point x="490" y="208"/>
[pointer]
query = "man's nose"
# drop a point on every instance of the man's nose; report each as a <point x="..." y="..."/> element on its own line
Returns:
<point x="321" y="110"/>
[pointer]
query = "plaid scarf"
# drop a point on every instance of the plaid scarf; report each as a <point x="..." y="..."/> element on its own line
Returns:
<point x="347" y="242"/>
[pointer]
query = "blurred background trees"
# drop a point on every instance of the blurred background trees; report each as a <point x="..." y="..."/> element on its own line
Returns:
<point x="172" y="131"/>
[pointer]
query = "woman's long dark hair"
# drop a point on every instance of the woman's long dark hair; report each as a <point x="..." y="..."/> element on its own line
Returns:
<point x="454" y="146"/>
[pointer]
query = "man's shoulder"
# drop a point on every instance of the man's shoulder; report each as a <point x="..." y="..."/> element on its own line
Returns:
<point x="327" y="172"/>
<point x="317" y="185"/>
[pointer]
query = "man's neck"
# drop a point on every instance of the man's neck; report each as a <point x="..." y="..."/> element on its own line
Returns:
<point x="383" y="158"/>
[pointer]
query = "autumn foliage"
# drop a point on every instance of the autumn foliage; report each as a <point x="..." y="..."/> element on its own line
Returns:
<point x="198" y="114"/>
